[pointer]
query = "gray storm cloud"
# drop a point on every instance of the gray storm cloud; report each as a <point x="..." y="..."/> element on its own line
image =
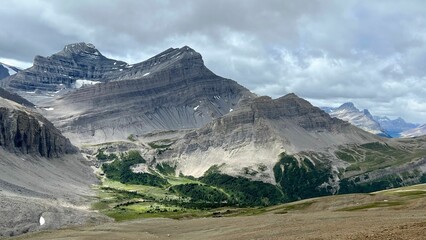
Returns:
<point x="368" y="52"/>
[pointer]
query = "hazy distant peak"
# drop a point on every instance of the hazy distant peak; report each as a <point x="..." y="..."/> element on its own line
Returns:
<point x="348" y="106"/>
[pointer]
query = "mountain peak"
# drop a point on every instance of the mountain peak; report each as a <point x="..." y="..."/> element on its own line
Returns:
<point x="348" y="106"/>
<point x="175" y="54"/>
<point x="187" y="49"/>
<point x="81" y="47"/>
<point x="291" y="95"/>
<point x="367" y="113"/>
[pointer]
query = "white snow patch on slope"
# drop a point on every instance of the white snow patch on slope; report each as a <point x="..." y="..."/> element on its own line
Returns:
<point x="49" y="109"/>
<point x="195" y="109"/>
<point x="146" y="74"/>
<point x="82" y="82"/>
<point x="42" y="221"/>
<point x="10" y="70"/>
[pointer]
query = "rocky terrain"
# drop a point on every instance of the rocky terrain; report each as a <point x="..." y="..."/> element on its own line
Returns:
<point x="44" y="181"/>
<point x="258" y="132"/>
<point x="362" y="119"/>
<point x="396" y="126"/>
<point x="27" y="132"/>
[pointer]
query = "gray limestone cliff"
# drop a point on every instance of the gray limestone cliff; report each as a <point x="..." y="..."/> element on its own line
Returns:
<point x="25" y="131"/>
<point x="79" y="61"/>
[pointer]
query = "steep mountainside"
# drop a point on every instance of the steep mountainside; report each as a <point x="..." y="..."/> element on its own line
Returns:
<point x="15" y="98"/>
<point x="173" y="90"/>
<point x="362" y="119"/>
<point x="394" y="127"/>
<point x="415" y="132"/>
<point x="44" y="181"/>
<point x="257" y="133"/>
<point x="30" y="133"/>
<point x="7" y="70"/>
<point x="75" y="65"/>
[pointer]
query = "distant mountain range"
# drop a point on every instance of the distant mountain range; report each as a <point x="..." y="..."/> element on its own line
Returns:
<point x="382" y="126"/>
<point x="415" y="132"/>
<point x="362" y="119"/>
<point x="395" y="127"/>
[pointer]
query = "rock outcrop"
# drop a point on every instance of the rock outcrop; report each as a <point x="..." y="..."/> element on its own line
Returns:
<point x="23" y="130"/>
<point x="41" y="174"/>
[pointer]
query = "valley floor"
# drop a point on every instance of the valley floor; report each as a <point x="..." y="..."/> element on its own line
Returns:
<point x="391" y="214"/>
<point x="383" y="224"/>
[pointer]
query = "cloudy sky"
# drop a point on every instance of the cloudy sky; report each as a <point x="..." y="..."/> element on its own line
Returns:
<point x="372" y="53"/>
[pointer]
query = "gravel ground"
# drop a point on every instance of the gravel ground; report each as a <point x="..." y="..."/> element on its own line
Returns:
<point x="373" y="224"/>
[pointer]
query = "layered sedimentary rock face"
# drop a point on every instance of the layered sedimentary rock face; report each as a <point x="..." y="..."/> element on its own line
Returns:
<point x="79" y="61"/>
<point x="258" y="132"/>
<point x="173" y="90"/>
<point x="23" y="130"/>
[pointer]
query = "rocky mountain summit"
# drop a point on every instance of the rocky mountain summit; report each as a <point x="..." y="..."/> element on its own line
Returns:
<point x="170" y="91"/>
<point x="362" y="119"/>
<point x="258" y="132"/>
<point x="75" y="65"/>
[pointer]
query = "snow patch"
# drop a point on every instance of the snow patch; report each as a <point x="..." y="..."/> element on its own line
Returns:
<point x="42" y="221"/>
<point x="195" y="109"/>
<point x="83" y="82"/>
<point x="10" y="70"/>
<point x="230" y="110"/>
<point x="146" y="74"/>
<point x="49" y="109"/>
